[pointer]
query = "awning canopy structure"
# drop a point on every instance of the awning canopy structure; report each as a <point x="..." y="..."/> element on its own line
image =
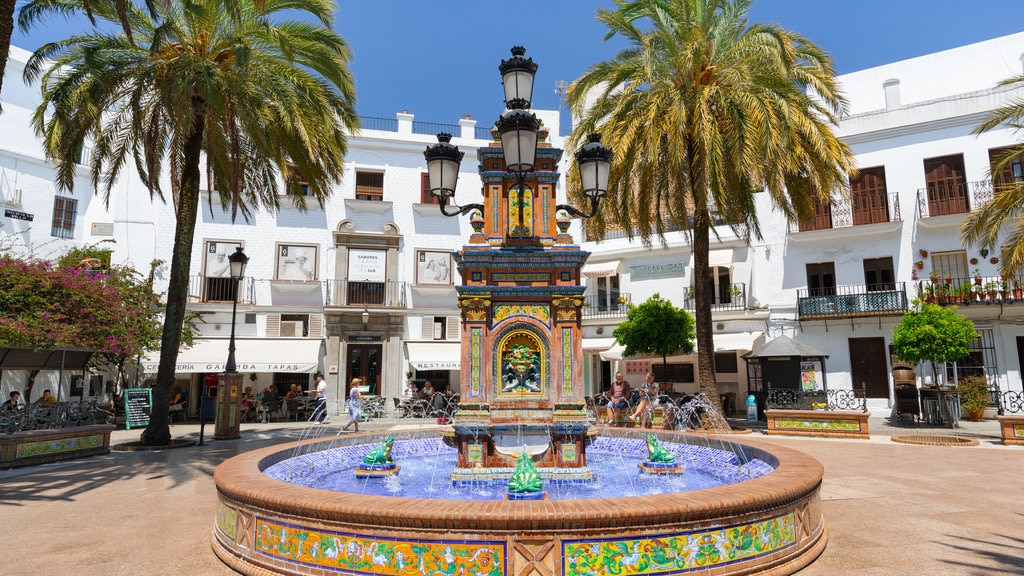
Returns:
<point x="613" y="353"/>
<point x="720" y="258"/>
<point x="601" y="269"/>
<point x="597" y="344"/>
<point x="295" y="355"/>
<point x="15" y="358"/>
<point x="435" y="355"/>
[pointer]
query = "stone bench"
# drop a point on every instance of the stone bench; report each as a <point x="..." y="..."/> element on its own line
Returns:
<point x="1011" y="429"/>
<point x="657" y="417"/>
<point x="818" y="423"/>
<point x="42" y="446"/>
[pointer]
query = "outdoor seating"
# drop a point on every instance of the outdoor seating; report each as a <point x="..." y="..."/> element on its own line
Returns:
<point x="907" y="401"/>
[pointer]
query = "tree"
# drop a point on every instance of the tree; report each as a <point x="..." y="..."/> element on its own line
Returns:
<point x="254" y="88"/>
<point x="933" y="333"/>
<point x="702" y="112"/>
<point x="982" y="227"/>
<point x="656" y="327"/>
<point x="6" y="30"/>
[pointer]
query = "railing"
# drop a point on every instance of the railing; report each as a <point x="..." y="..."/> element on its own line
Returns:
<point x="48" y="416"/>
<point x="728" y="297"/>
<point x="861" y="209"/>
<point x="943" y="198"/>
<point x="852" y="301"/>
<point x="390" y="294"/>
<point x="432" y="128"/>
<point x="1011" y="402"/>
<point x="973" y="290"/>
<point x="483" y="132"/>
<point x="596" y="307"/>
<point x="791" y="399"/>
<point x="418" y="127"/>
<point x="219" y="289"/>
<point x="382" y="124"/>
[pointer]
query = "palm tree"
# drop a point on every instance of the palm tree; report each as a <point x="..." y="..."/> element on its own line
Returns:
<point x="6" y="30"/>
<point x="982" y="227"/>
<point x="703" y="112"/>
<point x="251" y="88"/>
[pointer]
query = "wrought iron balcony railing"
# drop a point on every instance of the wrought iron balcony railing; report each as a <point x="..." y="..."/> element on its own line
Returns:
<point x="861" y="209"/>
<point x="219" y="289"/>
<point x="726" y="297"/>
<point x="854" y="301"/>
<point x="944" y="198"/>
<point x="973" y="290"/>
<point x="390" y="294"/>
<point x="598" y="307"/>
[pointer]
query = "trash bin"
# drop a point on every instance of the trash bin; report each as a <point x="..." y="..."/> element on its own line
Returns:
<point x="751" y="408"/>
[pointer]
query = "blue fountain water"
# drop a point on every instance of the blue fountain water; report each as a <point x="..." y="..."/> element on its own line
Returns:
<point x="426" y="465"/>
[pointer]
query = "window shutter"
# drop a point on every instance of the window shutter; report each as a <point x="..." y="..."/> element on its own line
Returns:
<point x="316" y="325"/>
<point x="427" y="331"/>
<point x="452" y="329"/>
<point x="273" y="325"/>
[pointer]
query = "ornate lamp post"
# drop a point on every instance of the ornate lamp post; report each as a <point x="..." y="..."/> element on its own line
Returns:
<point x="229" y="384"/>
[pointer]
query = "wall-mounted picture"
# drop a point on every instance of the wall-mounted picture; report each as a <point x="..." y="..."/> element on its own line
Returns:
<point x="296" y="262"/>
<point x="217" y="264"/>
<point x="433" y="267"/>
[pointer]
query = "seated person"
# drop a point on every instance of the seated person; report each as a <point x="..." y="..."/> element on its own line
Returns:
<point x="410" y="390"/>
<point x="47" y="398"/>
<point x="248" y="402"/>
<point x="269" y="393"/>
<point x="179" y="396"/>
<point x="428" y="389"/>
<point x="14" y="403"/>
<point x="648" y="400"/>
<point x="619" y="393"/>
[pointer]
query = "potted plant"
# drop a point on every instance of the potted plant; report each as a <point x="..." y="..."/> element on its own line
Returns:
<point x="688" y="293"/>
<point x="1016" y="289"/>
<point x="919" y="264"/>
<point x="924" y="253"/>
<point x="977" y="276"/>
<point x="934" y="276"/>
<point x="928" y="293"/>
<point x="974" y="396"/>
<point x="992" y="288"/>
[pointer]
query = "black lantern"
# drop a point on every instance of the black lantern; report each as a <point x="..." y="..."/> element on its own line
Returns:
<point x="517" y="78"/>
<point x="594" y="161"/>
<point x="518" y="130"/>
<point x="237" y="261"/>
<point x="443" y="160"/>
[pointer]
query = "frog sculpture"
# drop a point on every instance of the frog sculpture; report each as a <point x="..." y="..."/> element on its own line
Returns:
<point x="655" y="451"/>
<point x="524" y="478"/>
<point x="381" y="454"/>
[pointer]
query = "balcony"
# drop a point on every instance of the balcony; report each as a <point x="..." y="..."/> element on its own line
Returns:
<point x="971" y="291"/>
<point x="861" y="209"/>
<point x="598" y="307"/>
<point x="217" y="289"/>
<point x="852" y="301"/>
<point x="946" y="198"/>
<point x="390" y="294"/>
<point x="727" y="297"/>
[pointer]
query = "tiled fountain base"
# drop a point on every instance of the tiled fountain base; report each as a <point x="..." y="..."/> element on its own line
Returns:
<point x="768" y="525"/>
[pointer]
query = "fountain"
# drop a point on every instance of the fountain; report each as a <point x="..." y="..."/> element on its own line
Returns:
<point x="521" y="422"/>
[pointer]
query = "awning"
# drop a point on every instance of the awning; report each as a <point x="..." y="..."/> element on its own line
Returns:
<point x="435" y="355"/>
<point x="738" y="341"/>
<point x="295" y="355"/>
<point x="601" y="269"/>
<point x="597" y="344"/>
<point x="720" y="258"/>
<point x="613" y="353"/>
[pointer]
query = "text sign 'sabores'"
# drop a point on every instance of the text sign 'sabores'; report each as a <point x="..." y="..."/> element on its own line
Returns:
<point x="138" y="404"/>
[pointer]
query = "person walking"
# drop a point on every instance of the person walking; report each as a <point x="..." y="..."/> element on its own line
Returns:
<point x="320" y="412"/>
<point x="355" y="404"/>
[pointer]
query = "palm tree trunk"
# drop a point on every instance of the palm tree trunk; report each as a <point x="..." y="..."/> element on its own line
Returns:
<point x="6" y="30"/>
<point x="158" y="433"/>
<point x="702" y="317"/>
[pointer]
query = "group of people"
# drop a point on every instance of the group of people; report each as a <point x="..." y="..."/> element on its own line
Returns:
<point x="15" y="403"/>
<point x="620" y="393"/>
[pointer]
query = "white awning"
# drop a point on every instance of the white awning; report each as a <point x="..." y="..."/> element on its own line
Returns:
<point x="435" y="355"/>
<point x="597" y="344"/>
<point x="720" y="258"/>
<point x="613" y="353"/>
<point x="601" y="269"/>
<point x="295" y="355"/>
<point x="738" y="340"/>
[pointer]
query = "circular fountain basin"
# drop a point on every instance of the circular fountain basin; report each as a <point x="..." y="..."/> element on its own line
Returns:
<point x="772" y="522"/>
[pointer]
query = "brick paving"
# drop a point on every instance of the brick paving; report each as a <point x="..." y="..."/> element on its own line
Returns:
<point x="890" y="508"/>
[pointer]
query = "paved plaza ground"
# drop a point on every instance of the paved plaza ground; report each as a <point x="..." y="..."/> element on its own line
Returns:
<point x="890" y="508"/>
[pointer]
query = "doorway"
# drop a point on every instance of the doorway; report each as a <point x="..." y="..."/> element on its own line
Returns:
<point x="364" y="363"/>
<point x="868" y="367"/>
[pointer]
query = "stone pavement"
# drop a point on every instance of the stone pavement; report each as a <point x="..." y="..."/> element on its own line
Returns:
<point x="891" y="508"/>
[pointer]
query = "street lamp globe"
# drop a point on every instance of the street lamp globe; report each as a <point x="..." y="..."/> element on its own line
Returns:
<point x="443" y="160"/>
<point x="594" y="161"/>
<point x="517" y="75"/>
<point x="238" y="260"/>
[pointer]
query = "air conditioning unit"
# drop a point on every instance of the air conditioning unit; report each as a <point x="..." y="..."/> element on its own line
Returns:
<point x="291" y="328"/>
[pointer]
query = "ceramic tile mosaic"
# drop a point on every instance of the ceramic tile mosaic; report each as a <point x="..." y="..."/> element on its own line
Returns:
<point x="58" y="446"/>
<point x="836" y="424"/>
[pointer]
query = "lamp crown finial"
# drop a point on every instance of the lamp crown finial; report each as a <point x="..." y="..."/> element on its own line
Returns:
<point x="444" y="137"/>
<point x="518" y="50"/>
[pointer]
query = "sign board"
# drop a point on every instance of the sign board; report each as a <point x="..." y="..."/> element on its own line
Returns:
<point x="364" y="338"/>
<point x="366" y="265"/>
<point x="18" y="215"/>
<point x="138" y="405"/>
<point x="657" y="270"/>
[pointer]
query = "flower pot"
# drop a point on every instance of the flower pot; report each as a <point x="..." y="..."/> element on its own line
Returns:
<point x="975" y="414"/>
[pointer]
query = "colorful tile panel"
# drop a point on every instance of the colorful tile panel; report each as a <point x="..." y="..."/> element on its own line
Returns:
<point x="57" y="446"/>
<point x="567" y="362"/>
<point x="834" y="424"/>
<point x="1018" y="430"/>
<point x="358" y="554"/>
<point x="501" y="312"/>
<point x="696" y="551"/>
<point x="475" y="339"/>
<point x="227" y="521"/>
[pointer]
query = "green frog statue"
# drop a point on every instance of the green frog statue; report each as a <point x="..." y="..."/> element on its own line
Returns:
<point x="524" y="478"/>
<point x="655" y="452"/>
<point x="381" y="454"/>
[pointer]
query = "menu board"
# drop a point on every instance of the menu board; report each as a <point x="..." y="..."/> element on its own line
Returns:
<point x="138" y="404"/>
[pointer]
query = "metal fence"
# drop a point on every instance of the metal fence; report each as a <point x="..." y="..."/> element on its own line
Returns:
<point x="49" y="416"/>
<point x="843" y="399"/>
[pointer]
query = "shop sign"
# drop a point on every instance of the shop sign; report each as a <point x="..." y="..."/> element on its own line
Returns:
<point x="657" y="270"/>
<point x="18" y="215"/>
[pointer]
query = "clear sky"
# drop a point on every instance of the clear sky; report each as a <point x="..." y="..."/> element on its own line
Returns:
<point x="439" y="59"/>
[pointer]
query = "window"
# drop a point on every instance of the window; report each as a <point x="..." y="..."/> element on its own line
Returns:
<point x="946" y="186"/>
<point x="64" y="211"/>
<point x="878" y="274"/>
<point x="302" y="182"/>
<point x="294" y="326"/>
<point x="725" y="363"/>
<point x="869" y="197"/>
<point x="821" y="279"/>
<point x="425" y="196"/>
<point x="673" y="372"/>
<point x="284" y="380"/>
<point x="296" y="262"/>
<point x="366" y="276"/>
<point x="952" y="264"/>
<point x="608" y="293"/>
<point x="1011" y="173"/>
<point x="720" y="283"/>
<point x="369" y="186"/>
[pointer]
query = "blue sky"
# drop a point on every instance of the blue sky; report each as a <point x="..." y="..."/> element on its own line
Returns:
<point x="439" y="59"/>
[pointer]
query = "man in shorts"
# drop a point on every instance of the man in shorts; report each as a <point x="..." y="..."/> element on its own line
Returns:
<point x="620" y="393"/>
